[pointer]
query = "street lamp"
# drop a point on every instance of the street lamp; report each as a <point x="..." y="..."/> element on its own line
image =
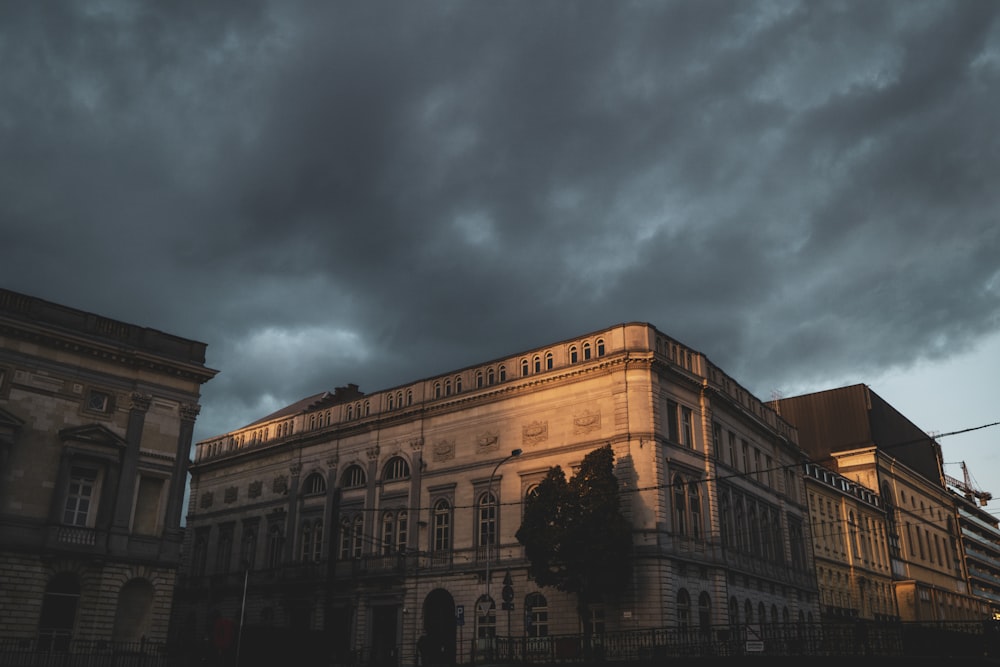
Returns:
<point x="495" y="535"/>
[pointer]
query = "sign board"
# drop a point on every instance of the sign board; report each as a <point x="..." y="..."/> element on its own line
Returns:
<point x="460" y="615"/>
<point x="755" y="646"/>
<point x="484" y="606"/>
<point x="755" y="641"/>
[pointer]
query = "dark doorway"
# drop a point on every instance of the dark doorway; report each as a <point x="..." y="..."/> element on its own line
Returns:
<point x="438" y="643"/>
<point x="385" y="642"/>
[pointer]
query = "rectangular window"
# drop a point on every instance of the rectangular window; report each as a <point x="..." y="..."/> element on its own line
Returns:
<point x="224" y="549"/>
<point x="673" y="430"/>
<point x="80" y="496"/>
<point x="687" y="430"/>
<point x="733" y="457"/>
<point x="746" y="455"/>
<point x="146" y="520"/>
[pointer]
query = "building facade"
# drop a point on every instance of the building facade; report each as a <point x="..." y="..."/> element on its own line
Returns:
<point x="980" y="542"/>
<point x="96" y="423"/>
<point x="380" y="519"/>
<point x="851" y="548"/>
<point x="856" y="433"/>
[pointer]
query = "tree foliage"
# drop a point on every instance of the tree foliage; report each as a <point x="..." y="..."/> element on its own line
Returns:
<point x="574" y="534"/>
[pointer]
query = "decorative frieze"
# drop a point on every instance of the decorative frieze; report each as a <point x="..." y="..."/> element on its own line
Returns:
<point x="488" y="442"/>
<point x="586" y="421"/>
<point x="444" y="450"/>
<point x="279" y="485"/>
<point x="231" y="494"/>
<point x="535" y="432"/>
<point x="255" y="488"/>
<point x="207" y="498"/>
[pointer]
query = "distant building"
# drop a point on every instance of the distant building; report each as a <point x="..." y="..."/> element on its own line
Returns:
<point x="386" y="517"/>
<point x="980" y="541"/>
<point x="855" y="432"/>
<point x="851" y="548"/>
<point x="96" y="422"/>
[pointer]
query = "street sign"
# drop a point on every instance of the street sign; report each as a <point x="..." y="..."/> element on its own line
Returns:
<point x="483" y="606"/>
<point x="460" y="615"/>
<point x="755" y="642"/>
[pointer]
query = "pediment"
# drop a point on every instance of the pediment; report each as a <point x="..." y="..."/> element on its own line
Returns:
<point x="92" y="434"/>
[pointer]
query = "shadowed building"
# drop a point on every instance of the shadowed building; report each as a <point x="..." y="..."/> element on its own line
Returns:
<point x="96" y="421"/>
<point x="383" y="518"/>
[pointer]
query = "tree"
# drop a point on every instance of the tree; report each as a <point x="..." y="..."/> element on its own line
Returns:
<point x="574" y="534"/>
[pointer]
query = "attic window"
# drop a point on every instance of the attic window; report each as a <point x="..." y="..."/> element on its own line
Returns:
<point x="98" y="401"/>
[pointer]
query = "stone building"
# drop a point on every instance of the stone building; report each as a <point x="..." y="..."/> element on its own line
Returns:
<point x="377" y="519"/>
<point x="851" y="548"/>
<point x="855" y="432"/>
<point x="96" y="422"/>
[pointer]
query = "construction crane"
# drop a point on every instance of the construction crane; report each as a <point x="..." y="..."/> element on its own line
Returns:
<point x="967" y="488"/>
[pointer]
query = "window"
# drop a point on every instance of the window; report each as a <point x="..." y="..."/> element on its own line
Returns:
<point x="479" y="379"/>
<point x="573" y="354"/>
<point x="248" y="547"/>
<point x="704" y="613"/>
<point x="687" y="432"/>
<point x="733" y="457"/>
<point x="486" y="626"/>
<point x="595" y="617"/>
<point x="725" y="521"/>
<point x="503" y="374"/>
<point x="524" y="368"/>
<point x="199" y="555"/>
<point x="680" y="511"/>
<point x="536" y="612"/>
<point x="396" y="468"/>
<point x="673" y="431"/>
<point x="548" y="361"/>
<point x="694" y="506"/>
<point x="58" y="617"/>
<point x="394" y="532"/>
<point x="314" y="485"/>
<point x="442" y="526"/>
<point x="351" y="534"/>
<point x="98" y="401"/>
<point x="354" y="477"/>
<point x="683" y="609"/>
<point x="80" y="496"/>
<point x="487" y="512"/>
<point x="490" y="377"/>
<point x="600" y="347"/>
<point x="275" y="541"/>
<point x="717" y="441"/>
<point x="447" y="387"/>
<point x="437" y="390"/>
<point x="345" y="539"/>
<point x="390" y="402"/>
<point x="586" y="351"/>
<point x="538" y="364"/>
<point x="458" y="385"/>
<point x="224" y="549"/>
<point x="409" y="397"/>
<point x="734" y="611"/>
<point x="312" y="540"/>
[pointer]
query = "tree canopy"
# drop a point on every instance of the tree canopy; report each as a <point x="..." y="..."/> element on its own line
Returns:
<point x="574" y="534"/>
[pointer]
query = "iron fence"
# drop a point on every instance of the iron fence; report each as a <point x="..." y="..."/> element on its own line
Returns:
<point x="64" y="652"/>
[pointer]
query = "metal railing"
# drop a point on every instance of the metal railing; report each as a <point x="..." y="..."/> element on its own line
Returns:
<point x="58" y="651"/>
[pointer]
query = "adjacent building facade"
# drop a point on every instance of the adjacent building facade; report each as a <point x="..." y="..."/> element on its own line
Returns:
<point x="96" y="423"/>
<point x="383" y="518"/>
<point x="854" y="432"/>
<point x="980" y="542"/>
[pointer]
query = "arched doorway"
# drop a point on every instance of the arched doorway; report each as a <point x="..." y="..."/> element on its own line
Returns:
<point x="437" y="645"/>
<point x="132" y="618"/>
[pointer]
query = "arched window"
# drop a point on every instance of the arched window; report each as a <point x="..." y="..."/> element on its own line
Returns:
<point x="704" y="613"/>
<point x="409" y="397"/>
<point x="537" y="361"/>
<point x="503" y="373"/>
<point x="314" y="484"/>
<point x="58" y="617"/>
<point x="368" y="408"/>
<point x="447" y="387"/>
<point x="388" y="533"/>
<point x="600" y="347"/>
<point x="345" y="538"/>
<point x="548" y="361"/>
<point x="479" y="379"/>
<point x="354" y="477"/>
<point x="396" y="468"/>
<point x="573" y="354"/>
<point x="748" y="612"/>
<point x="761" y="613"/>
<point x="734" y="611"/>
<point x="442" y="526"/>
<point x="390" y="402"/>
<point x="350" y="412"/>
<point x="437" y="390"/>
<point x="536" y="611"/>
<point x="486" y="624"/>
<point x="683" y="609"/>
<point x="680" y="510"/>
<point x="524" y="368"/>
<point x="490" y="376"/>
<point x="458" y="384"/>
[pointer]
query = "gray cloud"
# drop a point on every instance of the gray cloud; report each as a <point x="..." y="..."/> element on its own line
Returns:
<point x="374" y="192"/>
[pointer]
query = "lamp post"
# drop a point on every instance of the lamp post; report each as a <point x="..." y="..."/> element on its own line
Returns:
<point x="495" y="536"/>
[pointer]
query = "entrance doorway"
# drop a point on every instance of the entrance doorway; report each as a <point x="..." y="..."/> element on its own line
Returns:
<point x="385" y="638"/>
<point x="437" y="646"/>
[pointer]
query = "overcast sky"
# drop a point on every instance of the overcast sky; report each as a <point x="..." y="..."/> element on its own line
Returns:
<point x="375" y="192"/>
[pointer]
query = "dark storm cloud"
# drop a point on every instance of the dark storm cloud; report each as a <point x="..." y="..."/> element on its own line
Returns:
<point x="375" y="192"/>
